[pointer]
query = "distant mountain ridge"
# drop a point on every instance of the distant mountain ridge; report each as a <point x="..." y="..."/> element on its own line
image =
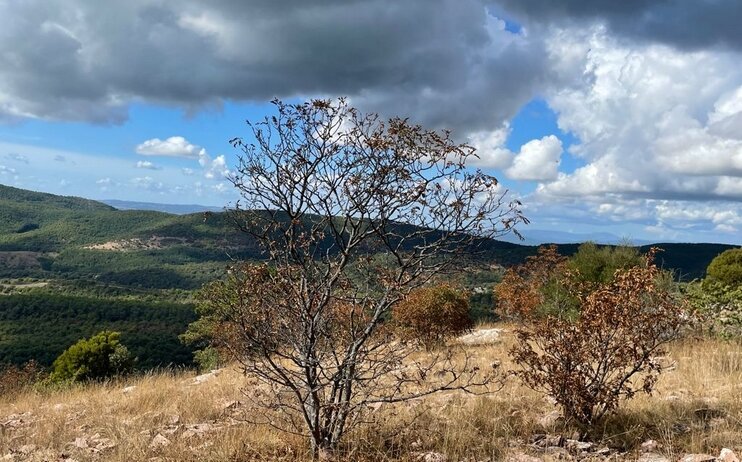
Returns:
<point x="175" y="209"/>
<point x="70" y="234"/>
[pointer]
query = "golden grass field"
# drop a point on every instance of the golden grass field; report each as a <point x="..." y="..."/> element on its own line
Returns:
<point x="696" y="408"/>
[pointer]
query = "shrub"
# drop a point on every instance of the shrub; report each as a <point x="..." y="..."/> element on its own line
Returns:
<point x="15" y="379"/>
<point x="609" y="352"/>
<point x="719" y="305"/>
<point x="535" y="288"/>
<point x="99" y="357"/>
<point x="598" y="264"/>
<point x="429" y="315"/>
<point x="726" y="268"/>
<point x="207" y="359"/>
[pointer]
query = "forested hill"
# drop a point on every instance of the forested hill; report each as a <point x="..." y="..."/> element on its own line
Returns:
<point x="43" y="235"/>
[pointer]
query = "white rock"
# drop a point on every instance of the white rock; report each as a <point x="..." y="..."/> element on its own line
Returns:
<point x="727" y="455"/>
<point x="128" y="389"/>
<point x="159" y="441"/>
<point x="481" y="337"/>
<point x="649" y="446"/>
<point x="698" y="458"/>
<point x="432" y="457"/>
<point x="80" y="443"/>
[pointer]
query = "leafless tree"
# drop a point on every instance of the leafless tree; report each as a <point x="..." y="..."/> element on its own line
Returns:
<point x="352" y="212"/>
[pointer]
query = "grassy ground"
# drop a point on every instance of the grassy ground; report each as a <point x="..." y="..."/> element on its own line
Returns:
<point x="696" y="408"/>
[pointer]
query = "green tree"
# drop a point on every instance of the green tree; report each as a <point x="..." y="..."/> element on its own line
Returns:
<point x="99" y="357"/>
<point x="726" y="268"/>
<point x="598" y="264"/>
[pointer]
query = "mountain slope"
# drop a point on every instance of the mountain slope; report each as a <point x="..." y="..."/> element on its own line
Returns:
<point x="75" y="237"/>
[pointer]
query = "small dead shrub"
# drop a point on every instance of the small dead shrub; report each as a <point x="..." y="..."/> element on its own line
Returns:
<point x="609" y="352"/>
<point x="430" y="315"/>
<point x="16" y="379"/>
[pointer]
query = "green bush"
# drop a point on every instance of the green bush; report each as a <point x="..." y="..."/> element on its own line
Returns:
<point x="726" y="268"/>
<point x="99" y="357"/>
<point x="598" y="264"/>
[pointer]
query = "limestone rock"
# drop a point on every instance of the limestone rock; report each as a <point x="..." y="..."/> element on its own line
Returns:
<point x="159" y="441"/>
<point x="727" y="455"/>
<point x="649" y="446"/>
<point x="698" y="458"/>
<point x="481" y="337"/>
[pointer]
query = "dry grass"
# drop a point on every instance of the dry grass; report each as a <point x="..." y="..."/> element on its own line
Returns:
<point x="697" y="407"/>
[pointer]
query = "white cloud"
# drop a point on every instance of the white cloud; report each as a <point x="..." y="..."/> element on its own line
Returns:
<point x="491" y="151"/>
<point x="7" y="170"/>
<point x="537" y="160"/>
<point x="215" y="168"/>
<point x="175" y="146"/>
<point x="651" y="120"/>
<point x="148" y="183"/>
<point x="147" y="164"/>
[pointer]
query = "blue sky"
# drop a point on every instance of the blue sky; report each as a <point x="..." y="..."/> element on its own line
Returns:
<point x="598" y="124"/>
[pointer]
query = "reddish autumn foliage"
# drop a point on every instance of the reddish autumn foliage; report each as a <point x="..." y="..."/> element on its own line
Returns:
<point x="432" y="314"/>
<point x="532" y="286"/>
<point x="14" y="379"/>
<point x="609" y="352"/>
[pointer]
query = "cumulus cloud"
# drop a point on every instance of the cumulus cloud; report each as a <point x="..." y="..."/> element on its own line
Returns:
<point x="643" y="131"/>
<point x="175" y="146"/>
<point x="537" y="160"/>
<point x="215" y="168"/>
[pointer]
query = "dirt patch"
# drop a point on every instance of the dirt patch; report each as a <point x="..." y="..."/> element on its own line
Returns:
<point x="151" y="243"/>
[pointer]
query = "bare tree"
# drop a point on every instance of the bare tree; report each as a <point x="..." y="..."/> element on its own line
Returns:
<point x="352" y="212"/>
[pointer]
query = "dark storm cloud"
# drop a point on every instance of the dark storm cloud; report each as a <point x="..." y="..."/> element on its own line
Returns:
<point x="445" y="62"/>
<point x="686" y="24"/>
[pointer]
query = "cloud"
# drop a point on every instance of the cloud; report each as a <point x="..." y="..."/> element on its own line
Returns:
<point x="449" y="63"/>
<point x="680" y="23"/>
<point x="215" y="168"/>
<point x="537" y="160"/>
<point x="643" y="131"/>
<point x="175" y="146"/>
<point x="178" y="146"/>
<point x="14" y="156"/>
<point x="148" y="183"/>
<point x="147" y="164"/>
<point x="7" y="170"/>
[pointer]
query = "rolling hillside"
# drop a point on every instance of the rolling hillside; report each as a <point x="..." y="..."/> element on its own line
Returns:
<point x="44" y="235"/>
<point x="70" y="267"/>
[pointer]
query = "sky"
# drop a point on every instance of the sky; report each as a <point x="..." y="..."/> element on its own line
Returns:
<point x="600" y="116"/>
